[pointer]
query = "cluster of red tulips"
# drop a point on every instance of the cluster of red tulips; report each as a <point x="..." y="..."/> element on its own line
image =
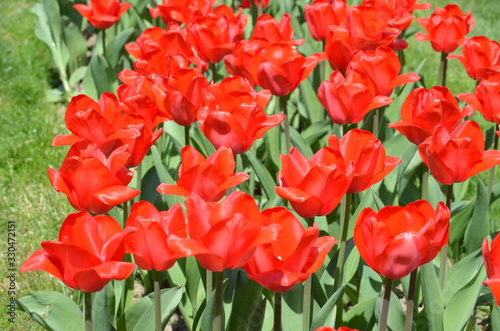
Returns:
<point x="176" y="77"/>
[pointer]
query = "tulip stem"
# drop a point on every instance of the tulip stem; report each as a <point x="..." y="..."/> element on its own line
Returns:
<point x="138" y="181"/>
<point x="186" y="134"/>
<point x="210" y="281"/>
<point x="411" y="303"/>
<point x="384" y="313"/>
<point x="277" y="312"/>
<point x="346" y="208"/>
<point x="217" y="322"/>
<point x="215" y="76"/>
<point x="284" y="106"/>
<point x="376" y="115"/>
<point x="442" y="69"/>
<point x="87" y="298"/>
<point x="156" y="275"/>
<point x="425" y="183"/>
<point x="444" y="249"/>
<point x="104" y="43"/>
<point x="492" y="170"/>
<point x="306" y="309"/>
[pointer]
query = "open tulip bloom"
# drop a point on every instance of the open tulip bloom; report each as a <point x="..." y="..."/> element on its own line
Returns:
<point x="397" y="240"/>
<point x="103" y="14"/>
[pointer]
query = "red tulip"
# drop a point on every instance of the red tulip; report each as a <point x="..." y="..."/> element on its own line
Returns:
<point x="246" y="3"/>
<point x="267" y="28"/>
<point x="338" y="48"/>
<point x="457" y="155"/>
<point x="234" y="114"/>
<point x="181" y="95"/>
<point x="348" y="100"/>
<point x="446" y="28"/>
<point x="321" y="14"/>
<point x="368" y="28"/>
<point x="423" y="110"/>
<point x="282" y="68"/>
<point x="243" y="61"/>
<point x="342" y="328"/>
<point x="103" y="14"/>
<point x="382" y="66"/>
<point x="182" y="11"/>
<point x="225" y="235"/>
<point x="213" y="35"/>
<point x="367" y="153"/>
<point x="209" y="178"/>
<point x="479" y="56"/>
<point x="397" y="240"/>
<point x="315" y="186"/>
<point x="92" y="182"/>
<point x="486" y="97"/>
<point x="149" y="242"/>
<point x="293" y="257"/>
<point x="88" y="254"/>
<point x="491" y="260"/>
<point x="398" y="13"/>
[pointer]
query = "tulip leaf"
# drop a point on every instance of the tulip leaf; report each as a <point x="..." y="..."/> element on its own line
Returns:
<point x="495" y="317"/>
<point x="461" y="274"/>
<point x="141" y="315"/>
<point x="103" y="309"/>
<point x="361" y="316"/>
<point x="52" y="310"/>
<point x="316" y="131"/>
<point x="370" y="284"/>
<point x="479" y="225"/>
<point x="265" y="179"/>
<point x="434" y="192"/>
<point x="433" y="298"/>
<point x="114" y="48"/>
<point x="458" y="225"/>
<point x="311" y="102"/>
<point x="292" y="307"/>
<point x="300" y="143"/>
<point x="163" y="175"/>
<point x="396" y="317"/>
<point x="99" y="78"/>
<point x="351" y="264"/>
<point x="327" y="309"/>
<point x="461" y="306"/>
<point x="246" y="300"/>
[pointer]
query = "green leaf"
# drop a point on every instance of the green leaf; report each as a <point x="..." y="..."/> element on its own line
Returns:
<point x="246" y="300"/>
<point x="495" y="317"/>
<point x="114" y="48"/>
<point x="461" y="306"/>
<point x="396" y="317"/>
<point x="311" y="102"/>
<point x="265" y="179"/>
<point x="433" y="299"/>
<point x="77" y="75"/>
<point x="324" y="313"/>
<point x="479" y="226"/>
<point x="361" y="316"/>
<point x="141" y="315"/>
<point x="351" y="265"/>
<point x="76" y="45"/>
<point x="292" y="307"/>
<point x="101" y="75"/>
<point x="370" y="284"/>
<point x="100" y="305"/>
<point x="460" y="274"/>
<point x="52" y="310"/>
<point x="300" y="143"/>
<point x="163" y="175"/>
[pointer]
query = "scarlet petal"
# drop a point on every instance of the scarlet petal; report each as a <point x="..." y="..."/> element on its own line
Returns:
<point x="94" y="280"/>
<point x="305" y="204"/>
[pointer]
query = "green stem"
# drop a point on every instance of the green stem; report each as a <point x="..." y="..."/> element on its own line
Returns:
<point x="306" y="308"/>
<point x="411" y="303"/>
<point x="104" y="43"/>
<point x="210" y="282"/>
<point x="384" y="313"/>
<point x="277" y="312"/>
<point x="442" y="69"/>
<point x="284" y="106"/>
<point x="217" y="322"/>
<point x="215" y="76"/>
<point x="444" y="249"/>
<point x="251" y="184"/>
<point x="376" y="115"/>
<point x="156" y="275"/>
<point x="346" y="208"/>
<point x="186" y="134"/>
<point x="425" y="183"/>
<point x="139" y="180"/>
<point x="87" y="298"/>
<point x="492" y="170"/>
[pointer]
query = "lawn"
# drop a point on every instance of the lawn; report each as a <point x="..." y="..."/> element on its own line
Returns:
<point x="29" y="123"/>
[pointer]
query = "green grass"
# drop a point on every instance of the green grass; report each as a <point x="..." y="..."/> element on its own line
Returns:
<point x="27" y="126"/>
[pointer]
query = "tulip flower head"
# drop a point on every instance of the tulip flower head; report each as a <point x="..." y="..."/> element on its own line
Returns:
<point x="182" y="11"/>
<point x="397" y="240"/>
<point x="246" y="3"/>
<point x="224" y="235"/>
<point x="486" y="97"/>
<point x="480" y="56"/>
<point x="455" y="156"/>
<point x="267" y="28"/>
<point x="491" y="258"/>
<point x="103" y="14"/>
<point x="149" y="242"/>
<point x="293" y="257"/>
<point x="322" y="14"/>
<point x="342" y="328"/>
<point x="367" y="153"/>
<point x="88" y="254"/>
<point x="446" y="28"/>
<point x="314" y="186"/>
<point x="234" y="114"/>
<point x="423" y="110"/>
<point x="208" y="178"/>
